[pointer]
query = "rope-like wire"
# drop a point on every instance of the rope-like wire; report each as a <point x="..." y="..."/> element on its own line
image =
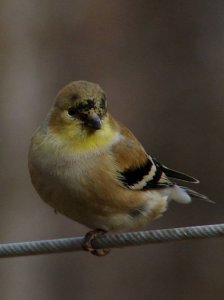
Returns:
<point x="112" y="240"/>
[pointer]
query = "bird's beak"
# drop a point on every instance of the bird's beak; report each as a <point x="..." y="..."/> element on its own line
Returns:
<point x="93" y="121"/>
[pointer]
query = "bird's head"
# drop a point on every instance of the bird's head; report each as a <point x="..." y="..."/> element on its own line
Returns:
<point x="79" y="117"/>
<point x="80" y="104"/>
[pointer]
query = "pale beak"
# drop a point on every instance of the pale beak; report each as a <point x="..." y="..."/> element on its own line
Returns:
<point x="93" y="121"/>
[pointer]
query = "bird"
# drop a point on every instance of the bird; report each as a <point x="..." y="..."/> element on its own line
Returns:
<point x="91" y="168"/>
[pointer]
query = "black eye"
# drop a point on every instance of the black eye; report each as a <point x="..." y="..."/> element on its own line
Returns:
<point x="74" y="97"/>
<point x="72" y="111"/>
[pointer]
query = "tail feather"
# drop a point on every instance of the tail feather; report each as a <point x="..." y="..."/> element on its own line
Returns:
<point x="197" y="195"/>
<point x="184" y="195"/>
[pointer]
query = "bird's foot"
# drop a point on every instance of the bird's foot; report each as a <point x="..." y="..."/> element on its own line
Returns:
<point x="87" y="243"/>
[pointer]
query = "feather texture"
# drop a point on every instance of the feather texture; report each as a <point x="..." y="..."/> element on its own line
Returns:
<point x="92" y="169"/>
<point x="176" y="174"/>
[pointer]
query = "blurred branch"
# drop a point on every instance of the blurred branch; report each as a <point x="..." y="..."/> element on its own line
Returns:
<point x="112" y="240"/>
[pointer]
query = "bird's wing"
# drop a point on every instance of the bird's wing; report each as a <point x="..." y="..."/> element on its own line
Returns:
<point x="170" y="173"/>
<point x="139" y="171"/>
<point x="136" y="169"/>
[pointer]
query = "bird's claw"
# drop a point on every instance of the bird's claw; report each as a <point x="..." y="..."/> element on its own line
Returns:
<point x="87" y="242"/>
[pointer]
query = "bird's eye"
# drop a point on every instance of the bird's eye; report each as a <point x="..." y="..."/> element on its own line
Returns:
<point x="72" y="111"/>
<point x="74" y="97"/>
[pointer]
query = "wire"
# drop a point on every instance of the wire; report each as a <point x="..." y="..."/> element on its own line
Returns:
<point x="111" y="240"/>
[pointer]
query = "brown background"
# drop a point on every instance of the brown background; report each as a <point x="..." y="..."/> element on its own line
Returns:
<point x="162" y="66"/>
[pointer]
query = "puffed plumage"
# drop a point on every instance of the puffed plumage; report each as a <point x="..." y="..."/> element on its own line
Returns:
<point x="92" y="169"/>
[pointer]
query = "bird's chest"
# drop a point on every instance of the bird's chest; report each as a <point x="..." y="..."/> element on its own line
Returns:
<point x="72" y="186"/>
<point x="71" y="174"/>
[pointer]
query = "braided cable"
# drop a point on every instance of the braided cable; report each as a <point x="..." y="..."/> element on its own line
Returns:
<point x="111" y="240"/>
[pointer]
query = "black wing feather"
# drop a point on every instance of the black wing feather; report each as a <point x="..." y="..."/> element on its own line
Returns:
<point x="176" y="174"/>
<point x="138" y="178"/>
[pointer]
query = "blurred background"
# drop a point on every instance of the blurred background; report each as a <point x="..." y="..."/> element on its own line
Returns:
<point x="161" y="64"/>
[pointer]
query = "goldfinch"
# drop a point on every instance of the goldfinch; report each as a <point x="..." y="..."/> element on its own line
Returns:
<point x="92" y="169"/>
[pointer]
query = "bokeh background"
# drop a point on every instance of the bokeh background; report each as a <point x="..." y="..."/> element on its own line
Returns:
<point x="161" y="64"/>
